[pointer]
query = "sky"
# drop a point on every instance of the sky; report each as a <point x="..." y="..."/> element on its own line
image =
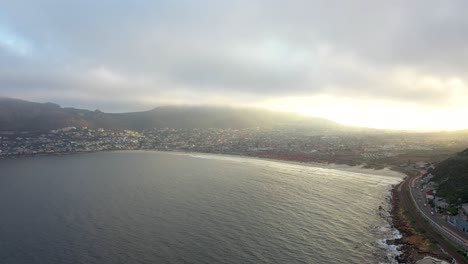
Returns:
<point x="384" y="64"/>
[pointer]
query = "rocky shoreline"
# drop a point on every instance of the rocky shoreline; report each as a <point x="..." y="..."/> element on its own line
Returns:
<point x="412" y="244"/>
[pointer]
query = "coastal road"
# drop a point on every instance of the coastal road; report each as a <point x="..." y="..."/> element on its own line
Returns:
<point x="405" y="195"/>
<point x="419" y="196"/>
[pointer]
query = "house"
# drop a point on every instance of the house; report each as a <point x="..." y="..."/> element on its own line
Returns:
<point x="465" y="208"/>
<point x="426" y="178"/>
<point x="430" y="195"/>
<point x="459" y="222"/>
<point x="423" y="165"/>
<point x="420" y="165"/>
<point x="440" y="202"/>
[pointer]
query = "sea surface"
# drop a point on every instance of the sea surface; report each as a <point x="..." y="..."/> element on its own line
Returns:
<point x="154" y="207"/>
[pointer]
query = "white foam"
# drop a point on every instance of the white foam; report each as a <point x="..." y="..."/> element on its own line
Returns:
<point x="389" y="233"/>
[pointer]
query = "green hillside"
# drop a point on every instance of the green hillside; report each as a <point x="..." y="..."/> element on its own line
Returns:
<point x="451" y="177"/>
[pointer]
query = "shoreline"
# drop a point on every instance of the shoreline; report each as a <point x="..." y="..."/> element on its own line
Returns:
<point x="400" y="223"/>
<point x="358" y="168"/>
<point x="386" y="171"/>
<point x="413" y="244"/>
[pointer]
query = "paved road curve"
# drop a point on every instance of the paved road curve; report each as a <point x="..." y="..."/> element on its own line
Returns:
<point x="404" y="193"/>
<point x="420" y="199"/>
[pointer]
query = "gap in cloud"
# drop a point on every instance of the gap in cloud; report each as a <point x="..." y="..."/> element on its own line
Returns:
<point x="14" y="42"/>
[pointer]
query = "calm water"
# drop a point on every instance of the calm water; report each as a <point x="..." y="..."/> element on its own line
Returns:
<point x="150" y="207"/>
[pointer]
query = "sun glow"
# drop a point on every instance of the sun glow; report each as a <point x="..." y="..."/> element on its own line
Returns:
<point x="374" y="114"/>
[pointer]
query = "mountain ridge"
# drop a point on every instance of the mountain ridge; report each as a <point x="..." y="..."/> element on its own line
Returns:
<point x="21" y="115"/>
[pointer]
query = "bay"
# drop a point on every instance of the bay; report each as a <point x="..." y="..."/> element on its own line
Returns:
<point x="155" y="207"/>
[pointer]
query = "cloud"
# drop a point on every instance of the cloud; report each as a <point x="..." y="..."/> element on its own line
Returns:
<point x="248" y="51"/>
<point x="13" y="42"/>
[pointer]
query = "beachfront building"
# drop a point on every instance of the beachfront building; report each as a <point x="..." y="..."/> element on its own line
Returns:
<point x="427" y="178"/>
<point x="440" y="203"/>
<point x="465" y="209"/>
<point x="459" y="222"/>
<point x="430" y="195"/>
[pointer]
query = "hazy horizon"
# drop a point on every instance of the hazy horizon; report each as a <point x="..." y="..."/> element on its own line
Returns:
<point x="237" y="107"/>
<point x="389" y="65"/>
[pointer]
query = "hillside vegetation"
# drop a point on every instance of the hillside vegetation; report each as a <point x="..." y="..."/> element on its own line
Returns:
<point x="19" y="115"/>
<point x="451" y="177"/>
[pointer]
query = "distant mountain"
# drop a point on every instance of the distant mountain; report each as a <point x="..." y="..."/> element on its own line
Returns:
<point x="20" y="115"/>
<point x="451" y="177"/>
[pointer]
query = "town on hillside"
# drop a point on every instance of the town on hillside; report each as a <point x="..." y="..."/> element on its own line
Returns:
<point x="286" y="143"/>
<point x="453" y="213"/>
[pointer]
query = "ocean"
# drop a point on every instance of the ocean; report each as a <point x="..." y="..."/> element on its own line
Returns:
<point x="157" y="207"/>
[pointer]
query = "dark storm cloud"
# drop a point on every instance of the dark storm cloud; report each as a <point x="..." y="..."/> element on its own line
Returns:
<point x="100" y="51"/>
